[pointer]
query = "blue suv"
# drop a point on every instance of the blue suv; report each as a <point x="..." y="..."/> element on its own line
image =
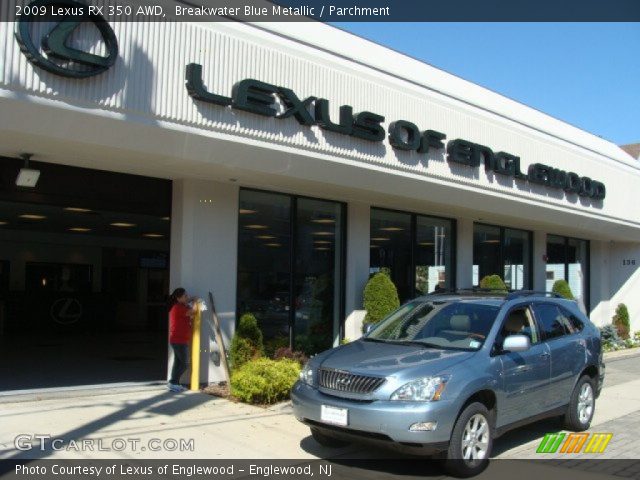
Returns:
<point x="446" y="374"/>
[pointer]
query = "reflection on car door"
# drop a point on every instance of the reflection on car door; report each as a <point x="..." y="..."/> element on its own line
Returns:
<point x="525" y="375"/>
<point x="567" y="350"/>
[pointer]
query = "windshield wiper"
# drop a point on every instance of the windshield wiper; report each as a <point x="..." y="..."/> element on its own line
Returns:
<point x="402" y="342"/>
<point x="369" y="339"/>
<point x="419" y="343"/>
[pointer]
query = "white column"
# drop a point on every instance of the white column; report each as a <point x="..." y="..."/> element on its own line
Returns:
<point x="464" y="253"/>
<point x="357" y="268"/>
<point x="539" y="264"/>
<point x="600" y="288"/>
<point x="204" y="243"/>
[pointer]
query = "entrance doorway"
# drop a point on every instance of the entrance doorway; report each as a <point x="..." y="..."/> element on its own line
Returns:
<point x="84" y="274"/>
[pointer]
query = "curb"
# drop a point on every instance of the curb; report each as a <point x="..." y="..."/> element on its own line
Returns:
<point x="631" y="352"/>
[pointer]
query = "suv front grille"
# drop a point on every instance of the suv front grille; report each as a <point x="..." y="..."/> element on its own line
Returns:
<point x="348" y="382"/>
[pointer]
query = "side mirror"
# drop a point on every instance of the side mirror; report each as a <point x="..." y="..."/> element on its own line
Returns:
<point x="516" y="343"/>
<point x="367" y="328"/>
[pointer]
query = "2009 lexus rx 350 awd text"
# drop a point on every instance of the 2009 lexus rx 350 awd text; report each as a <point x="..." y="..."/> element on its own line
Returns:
<point x="444" y="375"/>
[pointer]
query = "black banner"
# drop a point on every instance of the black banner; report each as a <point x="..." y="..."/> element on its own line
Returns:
<point x="330" y="10"/>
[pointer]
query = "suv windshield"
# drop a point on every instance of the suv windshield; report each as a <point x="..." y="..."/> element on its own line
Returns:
<point x="450" y="325"/>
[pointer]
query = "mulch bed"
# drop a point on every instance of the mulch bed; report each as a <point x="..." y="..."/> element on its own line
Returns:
<point x="220" y="389"/>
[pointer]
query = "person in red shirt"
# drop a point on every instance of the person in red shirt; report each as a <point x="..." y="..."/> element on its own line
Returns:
<point x="180" y="315"/>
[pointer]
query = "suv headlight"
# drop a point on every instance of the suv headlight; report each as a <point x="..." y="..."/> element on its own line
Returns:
<point x="306" y="374"/>
<point x="427" y="389"/>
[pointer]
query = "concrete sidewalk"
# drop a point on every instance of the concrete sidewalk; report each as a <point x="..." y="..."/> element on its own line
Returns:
<point x="144" y="419"/>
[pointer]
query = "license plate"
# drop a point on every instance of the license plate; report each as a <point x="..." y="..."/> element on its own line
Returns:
<point x="334" y="415"/>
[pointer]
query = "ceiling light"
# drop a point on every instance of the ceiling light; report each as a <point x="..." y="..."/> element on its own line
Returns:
<point x="491" y="241"/>
<point x="77" y="209"/>
<point x="123" y="224"/>
<point x="273" y="244"/>
<point x="374" y="246"/>
<point x="324" y="220"/>
<point x="27" y="177"/>
<point x="31" y="216"/>
<point x="392" y="229"/>
<point x="322" y="242"/>
<point x="323" y="234"/>
<point x="246" y="211"/>
<point x="166" y="219"/>
<point x="322" y="248"/>
<point x="254" y="226"/>
<point x="153" y="235"/>
<point x="79" y="229"/>
<point x="266" y="237"/>
<point x="426" y="244"/>
<point x="4" y="223"/>
<point x="380" y="239"/>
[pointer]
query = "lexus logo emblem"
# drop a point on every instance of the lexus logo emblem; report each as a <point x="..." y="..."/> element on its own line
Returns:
<point x="53" y="51"/>
<point x="66" y="311"/>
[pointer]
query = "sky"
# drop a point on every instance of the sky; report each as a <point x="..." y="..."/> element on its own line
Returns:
<point x="586" y="74"/>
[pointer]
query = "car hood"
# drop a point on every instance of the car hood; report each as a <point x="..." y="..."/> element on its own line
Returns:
<point x="388" y="359"/>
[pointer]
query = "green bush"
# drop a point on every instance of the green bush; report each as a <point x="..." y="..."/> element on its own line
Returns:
<point x="247" y="342"/>
<point x="264" y="381"/>
<point x="248" y="328"/>
<point x="621" y="321"/>
<point x="380" y="298"/>
<point x="241" y="352"/>
<point x="493" y="282"/>
<point x="561" y="287"/>
<point x="610" y="338"/>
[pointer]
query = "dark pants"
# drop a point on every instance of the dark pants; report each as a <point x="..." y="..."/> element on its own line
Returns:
<point x="180" y="361"/>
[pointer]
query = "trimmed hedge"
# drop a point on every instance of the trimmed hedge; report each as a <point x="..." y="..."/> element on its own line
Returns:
<point x="621" y="321"/>
<point x="493" y="282"/>
<point x="264" y="381"/>
<point x="561" y="287"/>
<point x="247" y="342"/>
<point x="380" y="298"/>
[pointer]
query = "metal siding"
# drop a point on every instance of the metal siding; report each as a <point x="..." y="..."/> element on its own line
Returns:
<point x="148" y="80"/>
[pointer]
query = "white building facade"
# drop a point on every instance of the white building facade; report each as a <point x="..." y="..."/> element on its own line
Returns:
<point x="303" y="159"/>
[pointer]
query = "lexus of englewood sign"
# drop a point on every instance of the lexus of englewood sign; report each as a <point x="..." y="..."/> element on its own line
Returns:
<point x="258" y="97"/>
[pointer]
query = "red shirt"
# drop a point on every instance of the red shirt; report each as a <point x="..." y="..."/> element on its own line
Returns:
<point x="179" y="324"/>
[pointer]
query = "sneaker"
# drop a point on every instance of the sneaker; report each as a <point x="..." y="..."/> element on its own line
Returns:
<point x="174" y="387"/>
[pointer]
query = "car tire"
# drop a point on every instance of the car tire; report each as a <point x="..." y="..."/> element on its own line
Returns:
<point x="582" y="405"/>
<point x="474" y="427"/>
<point x="326" y="440"/>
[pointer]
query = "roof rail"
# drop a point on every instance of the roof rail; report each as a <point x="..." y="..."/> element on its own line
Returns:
<point x="528" y="293"/>
<point x="471" y="291"/>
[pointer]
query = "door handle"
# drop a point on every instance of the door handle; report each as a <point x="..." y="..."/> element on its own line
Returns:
<point x="545" y="355"/>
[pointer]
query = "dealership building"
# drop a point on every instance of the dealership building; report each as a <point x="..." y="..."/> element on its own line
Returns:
<point x="276" y="165"/>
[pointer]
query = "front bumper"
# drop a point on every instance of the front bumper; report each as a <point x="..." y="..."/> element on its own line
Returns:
<point x="379" y="421"/>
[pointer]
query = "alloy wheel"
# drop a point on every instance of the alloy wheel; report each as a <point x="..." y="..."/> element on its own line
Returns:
<point x="475" y="438"/>
<point x="585" y="403"/>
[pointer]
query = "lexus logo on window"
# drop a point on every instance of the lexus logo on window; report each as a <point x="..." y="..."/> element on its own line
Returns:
<point x="52" y="48"/>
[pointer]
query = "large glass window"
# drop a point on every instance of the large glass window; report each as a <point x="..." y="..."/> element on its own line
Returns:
<point x="416" y="251"/>
<point x="505" y="252"/>
<point x="318" y="275"/>
<point x="568" y="259"/>
<point x="290" y="257"/>
<point x="432" y="254"/>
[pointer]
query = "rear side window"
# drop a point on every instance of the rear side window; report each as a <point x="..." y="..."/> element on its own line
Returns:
<point x="576" y="324"/>
<point x="553" y="323"/>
